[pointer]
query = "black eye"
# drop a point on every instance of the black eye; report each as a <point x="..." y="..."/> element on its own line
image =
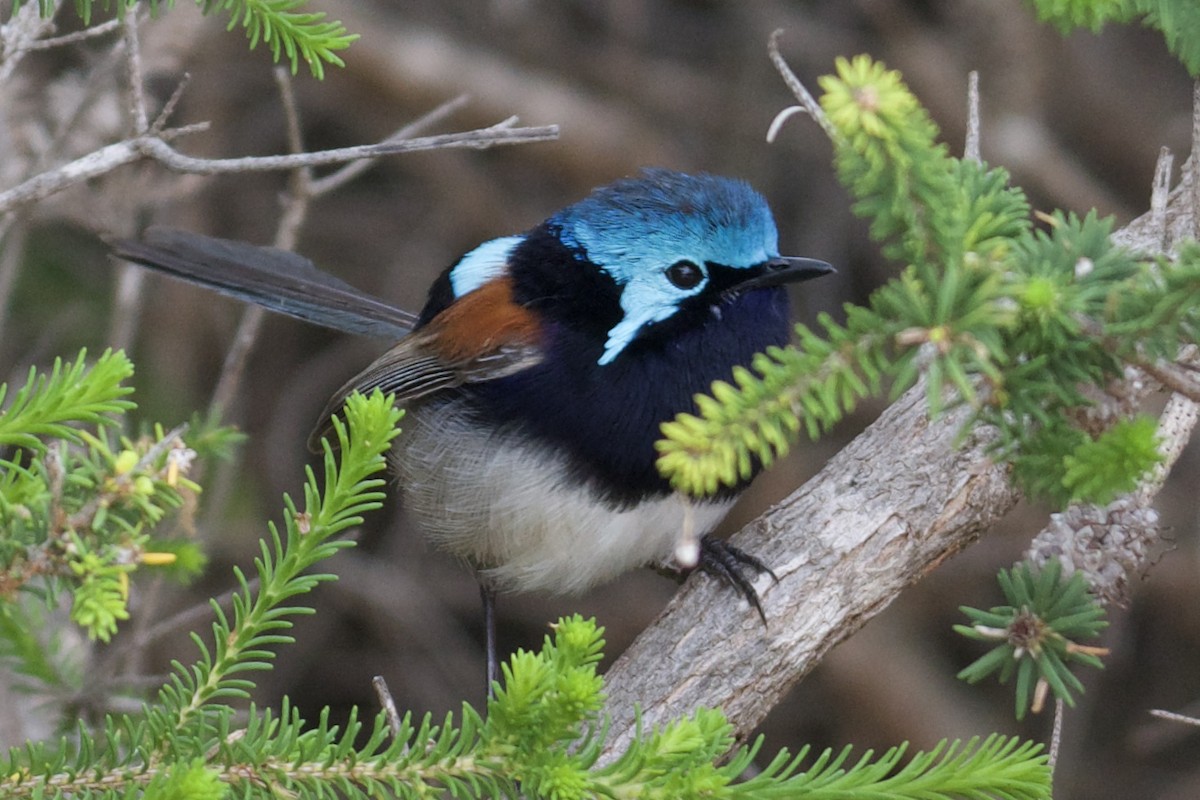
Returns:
<point x="685" y="274"/>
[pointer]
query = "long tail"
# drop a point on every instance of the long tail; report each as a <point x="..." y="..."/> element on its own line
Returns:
<point x="275" y="279"/>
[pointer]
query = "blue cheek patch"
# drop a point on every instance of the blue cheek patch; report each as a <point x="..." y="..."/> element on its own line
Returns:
<point x="488" y="261"/>
<point x="635" y="230"/>
<point x="647" y="297"/>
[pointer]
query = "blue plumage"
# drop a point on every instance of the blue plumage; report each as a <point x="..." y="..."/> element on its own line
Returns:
<point x="626" y="349"/>
<point x="635" y="229"/>
<point x="538" y="374"/>
<point x="607" y="418"/>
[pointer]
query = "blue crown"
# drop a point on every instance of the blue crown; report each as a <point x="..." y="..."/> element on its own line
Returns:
<point x="634" y="229"/>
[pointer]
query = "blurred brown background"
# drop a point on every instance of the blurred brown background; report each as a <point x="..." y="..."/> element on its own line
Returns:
<point x="686" y="84"/>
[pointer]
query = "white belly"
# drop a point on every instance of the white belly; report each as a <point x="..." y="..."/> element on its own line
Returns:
<point x="509" y="510"/>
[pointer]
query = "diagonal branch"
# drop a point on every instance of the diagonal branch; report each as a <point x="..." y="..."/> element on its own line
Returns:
<point x="893" y="504"/>
<point x="889" y="508"/>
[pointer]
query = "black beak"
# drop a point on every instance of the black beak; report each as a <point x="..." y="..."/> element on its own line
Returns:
<point x="786" y="269"/>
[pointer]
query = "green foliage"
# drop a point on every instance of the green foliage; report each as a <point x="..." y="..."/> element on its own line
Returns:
<point x="186" y="781"/>
<point x="1013" y="319"/>
<point x="1160" y="309"/>
<point x="541" y="737"/>
<point x="1091" y="14"/>
<point x="72" y="394"/>
<point x="1177" y="20"/>
<point x="77" y="504"/>
<point x="1036" y="634"/>
<point x="241" y="644"/>
<point x="1106" y="466"/>
<point x="813" y="384"/>
<point x="280" y="24"/>
<point x="297" y="34"/>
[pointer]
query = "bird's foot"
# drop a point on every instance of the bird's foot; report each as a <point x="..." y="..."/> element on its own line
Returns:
<point x="730" y="564"/>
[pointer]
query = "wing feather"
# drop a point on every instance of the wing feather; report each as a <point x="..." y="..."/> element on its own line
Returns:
<point x="278" y="280"/>
<point x="481" y="337"/>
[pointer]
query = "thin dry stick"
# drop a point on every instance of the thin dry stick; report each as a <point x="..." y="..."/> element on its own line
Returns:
<point x="502" y="133"/>
<point x="1194" y="159"/>
<point x="808" y="104"/>
<point x="1174" y="717"/>
<point x="389" y="705"/>
<point x="133" y="63"/>
<point x="295" y="209"/>
<point x="1056" y="735"/>
<point x="971" y="149"/>
<point x="156" y="147"/>
<point x="1160" y="194"/>
<point x="94" y="32"/>
<point x="25" y="26"/>
<point x="131" y="281"/>
<point x="96" y="90"/>
<point x="168" y="109"/>
<point x="338" y="178"/>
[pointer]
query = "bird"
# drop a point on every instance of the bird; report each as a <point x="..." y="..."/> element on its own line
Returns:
<point x="537" y="376"/>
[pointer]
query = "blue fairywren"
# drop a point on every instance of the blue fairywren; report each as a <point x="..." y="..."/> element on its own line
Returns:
<point x="537" y="375"/>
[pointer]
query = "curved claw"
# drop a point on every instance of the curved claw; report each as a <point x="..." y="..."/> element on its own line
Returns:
<point x="728" y="563"/>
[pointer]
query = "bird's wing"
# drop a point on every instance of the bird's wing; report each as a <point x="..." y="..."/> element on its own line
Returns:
<point x="482" y="336"/>
<point x="275" y="279"/>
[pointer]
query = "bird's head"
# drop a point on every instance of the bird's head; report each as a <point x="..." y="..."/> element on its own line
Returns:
<point x="657" y="247"/>
<point x="670" y="241"/>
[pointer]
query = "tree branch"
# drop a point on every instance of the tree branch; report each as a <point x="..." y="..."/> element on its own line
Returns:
<point x="156" y="147"/>
<point x="886" y="510"/>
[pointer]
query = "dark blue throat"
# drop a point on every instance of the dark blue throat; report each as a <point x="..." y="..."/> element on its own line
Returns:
<point x="606" y="418"/>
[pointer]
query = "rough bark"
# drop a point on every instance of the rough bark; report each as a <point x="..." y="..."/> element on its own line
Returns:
<point x="887" y="509"/>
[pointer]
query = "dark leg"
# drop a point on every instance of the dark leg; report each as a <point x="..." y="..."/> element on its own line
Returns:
<point x="489" y="626"/>
<point x="729" y="564"/>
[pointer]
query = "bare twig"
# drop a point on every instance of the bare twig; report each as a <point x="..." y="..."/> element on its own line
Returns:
<point x="130" y="280"/>
<point x="300" y="192"/>
<point x="971" y="148"/>
<point x="388" y="703"/>
<point x="133" y="71"/>
<point x="1194" y="159"/>
<point x="483" y="138"/>
<point x="94" y="91"/>
<point x="22" y="29"/>
<point x="93" y="165"/>
<point x="188" y="619"/>
<point x="1175" y="426"/>
<point x="338" y="178"/>
<point x="1172" y="376"/>
<point x="1160" y="194"/>
<point x="1173" y="717"/>
<point x="807" y="102"/>
<point x="783" y="116"/>
<point x="1056" y="734"/>
<point x="160" y="122"/>
<point x="156" y="147"/>
<point x="94" y="32"/>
